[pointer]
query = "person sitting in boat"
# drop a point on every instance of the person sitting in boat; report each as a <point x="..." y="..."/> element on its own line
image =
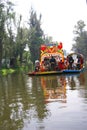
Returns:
<point x="37" y="65"/>
<point x="52" y="63"/>
<point x="78" y="62"/>
<point x="42" y="67"/>
<point x="61" y="65"/>
<point x="47" y="64"/>
<point x="82" y="61"/>
<point x="66" y="63"/>
<point x="70" y="60"/>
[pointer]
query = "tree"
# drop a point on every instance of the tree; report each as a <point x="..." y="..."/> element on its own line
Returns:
<point x="80" y="38"/>
<point x="21" y="40"/>
<point x="47" y="39"/>
<point x="2" y="28"/>
<point x="9" y="22"/>
<point x="35" y="35"/>
<point x="6" y="33"/>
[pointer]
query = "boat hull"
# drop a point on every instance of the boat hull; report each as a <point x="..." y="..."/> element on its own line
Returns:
<point x="54" y="72"/>
<point x="45" y="73"/>
<point x="72" y="71"/>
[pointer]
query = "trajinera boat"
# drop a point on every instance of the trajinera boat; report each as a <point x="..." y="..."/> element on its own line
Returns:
<point x="52" y="61"/>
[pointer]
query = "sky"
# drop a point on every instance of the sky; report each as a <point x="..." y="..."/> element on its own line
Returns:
<point x="58" y="17"/>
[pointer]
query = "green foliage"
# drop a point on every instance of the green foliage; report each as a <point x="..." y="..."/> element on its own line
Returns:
<point x="47" y="39"/>
<point x="6" y="33"/>
<point x="35" y="35"/>
<point x="14" y="37"/>
<point x="80" y="38"/>
<point x="6" y="71"/>
<point x="2" y="27"/>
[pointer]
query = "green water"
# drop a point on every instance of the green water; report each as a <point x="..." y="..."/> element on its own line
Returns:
<point x="43" y="103"/>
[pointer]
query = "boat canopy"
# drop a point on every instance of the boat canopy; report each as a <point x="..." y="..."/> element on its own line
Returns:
<point x="78" y="59"/>
<point x="48" y="50"/>
<point x="74" y="54"/>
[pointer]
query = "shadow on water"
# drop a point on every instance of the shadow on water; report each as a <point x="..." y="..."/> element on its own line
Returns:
<point x="30" y="103"/>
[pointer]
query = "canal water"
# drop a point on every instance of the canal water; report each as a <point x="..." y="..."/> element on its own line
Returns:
<point x="43" y="102"/>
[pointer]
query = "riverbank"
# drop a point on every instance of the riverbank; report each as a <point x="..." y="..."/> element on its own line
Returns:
<point x="6" y="71"/>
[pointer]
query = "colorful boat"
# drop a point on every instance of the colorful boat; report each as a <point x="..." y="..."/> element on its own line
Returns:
<point x="53" y="61"/>
<point x="55" y="72"/>
<point x="45" y="73"/>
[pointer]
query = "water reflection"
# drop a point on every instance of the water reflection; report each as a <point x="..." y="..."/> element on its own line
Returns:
<point x="21" y="100"/>
<point x="54" y="88"/>
<point x="28" y="103"/>
<point x="11" y="101"/>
